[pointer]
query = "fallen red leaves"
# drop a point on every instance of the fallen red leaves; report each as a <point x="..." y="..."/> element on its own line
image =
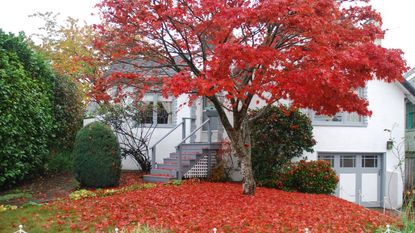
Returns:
<point x="198" y="207"/>
<point x="130" y="178"/>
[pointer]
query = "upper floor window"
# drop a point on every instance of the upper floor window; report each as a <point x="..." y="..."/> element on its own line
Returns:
<point x="341" y="118"/>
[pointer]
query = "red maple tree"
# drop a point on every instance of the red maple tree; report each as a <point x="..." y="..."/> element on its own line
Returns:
<point x="313" y="52"/>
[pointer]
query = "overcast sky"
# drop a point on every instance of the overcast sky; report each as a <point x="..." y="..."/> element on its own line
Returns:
<point x="397" y="18"/>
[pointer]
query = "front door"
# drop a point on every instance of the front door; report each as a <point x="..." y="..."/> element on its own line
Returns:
<point x="360" y="177"/>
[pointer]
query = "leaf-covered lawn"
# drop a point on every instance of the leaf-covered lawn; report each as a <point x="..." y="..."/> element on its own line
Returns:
<point x="198" y="207"/>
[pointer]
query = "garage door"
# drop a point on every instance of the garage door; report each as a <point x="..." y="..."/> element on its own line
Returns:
<point x="360" y="177"/>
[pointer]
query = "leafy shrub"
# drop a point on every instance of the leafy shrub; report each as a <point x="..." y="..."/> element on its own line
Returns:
<point x="97" y="159"/>
<point x="26" y="117"/>
<point x="309" y="177"/>
<point x="7" y="207"/>
<point x="278" y="136"/>
<point x="68" y="112"/>
<point x="61" y="162"/>
<point x="81" y="194"/>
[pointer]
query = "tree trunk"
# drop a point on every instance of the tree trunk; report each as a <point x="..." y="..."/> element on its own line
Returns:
<point x="241" y="140"/>
<point x="248" y="186"/>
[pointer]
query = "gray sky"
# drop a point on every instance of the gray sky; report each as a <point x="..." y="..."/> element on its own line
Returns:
<point x="397" y="18"/>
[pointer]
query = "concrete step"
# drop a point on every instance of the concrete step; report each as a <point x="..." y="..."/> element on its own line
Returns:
<point x="159" y="178"/>
<point x="164" y="171"/>
<point x="174" y="161"/>
<point x="170" y="165"/>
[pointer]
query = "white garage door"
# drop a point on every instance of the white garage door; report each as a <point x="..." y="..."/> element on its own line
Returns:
<point x="360" y="177"/>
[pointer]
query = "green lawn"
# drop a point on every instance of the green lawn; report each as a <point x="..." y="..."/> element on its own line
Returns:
<point x="40" y="219"/>
<point x="34" y="218"/>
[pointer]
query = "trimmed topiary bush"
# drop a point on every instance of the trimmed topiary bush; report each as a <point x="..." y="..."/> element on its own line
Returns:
<point x="97" y="156"/>
<point x="309" y="177"/>
<point x="278" y="136"/>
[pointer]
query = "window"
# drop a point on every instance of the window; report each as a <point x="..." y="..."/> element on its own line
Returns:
<point x="410" y="116"/>
<point x="369" y="161"/>
<point x="347" y="161"/>
<point x="328" y="158"/>
<point x="158" y="110"/>
<point x="341" y="118"/>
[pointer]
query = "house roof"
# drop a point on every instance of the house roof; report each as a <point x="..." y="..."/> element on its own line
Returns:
<point x="408" y="84"/>
<point x="410" y="76"/>
<point x="139" y="66"/>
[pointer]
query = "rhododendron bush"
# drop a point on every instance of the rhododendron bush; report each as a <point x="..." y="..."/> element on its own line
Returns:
<point x="315" y="53"/>
<point x="309" y="177"/>
<point x="199" y="207"/>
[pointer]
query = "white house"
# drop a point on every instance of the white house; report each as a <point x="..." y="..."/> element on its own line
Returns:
<point x="356" y="146"/>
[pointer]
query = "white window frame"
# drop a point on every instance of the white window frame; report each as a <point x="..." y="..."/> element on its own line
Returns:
<point x="155" y="98"/>
<point x="344" y="116"/>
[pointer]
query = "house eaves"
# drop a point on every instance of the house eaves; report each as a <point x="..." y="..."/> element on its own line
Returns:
<point x="407" y="87"/>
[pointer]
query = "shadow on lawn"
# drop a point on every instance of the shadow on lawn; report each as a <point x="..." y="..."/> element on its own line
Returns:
<point x="51" y="187"/>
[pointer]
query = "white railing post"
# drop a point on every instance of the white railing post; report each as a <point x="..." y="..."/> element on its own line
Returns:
<point x="116" y="230"/>
<point x="388" y="229"/>
<point x="306" y="230"/>
<point x="215" y="230"/>
<point x="20" y="230"/>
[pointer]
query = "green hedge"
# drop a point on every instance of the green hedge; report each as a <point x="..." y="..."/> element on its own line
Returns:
<point x="26" y="116"/>
<point x="97" y="156"/>
<point x="278" y="136"/>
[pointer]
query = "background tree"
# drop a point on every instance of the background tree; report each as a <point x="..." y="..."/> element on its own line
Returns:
<point x="68" y="112"/>
<point x="69" y="47"/>
<point x="314" y="53"/>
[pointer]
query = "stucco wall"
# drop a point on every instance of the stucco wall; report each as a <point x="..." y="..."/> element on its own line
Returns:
<point x="388" y="106"/>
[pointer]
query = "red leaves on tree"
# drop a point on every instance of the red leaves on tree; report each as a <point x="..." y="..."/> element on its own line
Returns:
<point x="199" y="207"/>
<point x="315" y="53"/>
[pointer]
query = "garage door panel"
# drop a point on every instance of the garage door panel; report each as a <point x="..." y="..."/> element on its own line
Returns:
<point x="360" y="179"/>
<point x="370" y="187"/>
<point x="347" y="186"/>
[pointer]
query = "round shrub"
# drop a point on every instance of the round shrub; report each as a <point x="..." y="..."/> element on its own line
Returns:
<point x="277" y="136"/>
<point x="309" y="177"/>
<point x="97" y="156"/>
